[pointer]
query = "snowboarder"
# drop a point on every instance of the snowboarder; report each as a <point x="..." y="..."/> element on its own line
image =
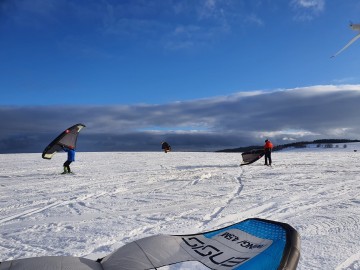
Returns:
<point x="70" y="158"/>
<point x="268" y="148"/>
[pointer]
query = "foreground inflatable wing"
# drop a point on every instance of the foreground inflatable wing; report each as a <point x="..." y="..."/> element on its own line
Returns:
<point x="255" y="244"/>
<point x="67" y="138"/>
<point x="51" y="263"/>
<point x="251" y="244"/>
<point x="347" y="45"/>
<point x="252" y="156"/>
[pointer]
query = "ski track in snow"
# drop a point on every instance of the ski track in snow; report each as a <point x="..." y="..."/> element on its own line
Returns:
<point x="116" y="198"/>
<point x="352" y="263"/>
<point x="217" y="211"/>
<point x="36" y="210"/>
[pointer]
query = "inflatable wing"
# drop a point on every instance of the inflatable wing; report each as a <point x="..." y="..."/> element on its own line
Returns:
<point x="252" y="156"/>
<point x="251" y="244"/>
<point x="67" y="138"/>
<point x="166" y="147"/>
<point x="51" y="263"/>
<point x="355" y="27"/>
<point x="347" y="45"/>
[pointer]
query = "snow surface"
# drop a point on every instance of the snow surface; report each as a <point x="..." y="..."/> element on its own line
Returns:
<point x="115" y="198"/>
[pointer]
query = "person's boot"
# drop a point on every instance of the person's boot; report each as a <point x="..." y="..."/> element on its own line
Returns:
<point x="65" y="170"/>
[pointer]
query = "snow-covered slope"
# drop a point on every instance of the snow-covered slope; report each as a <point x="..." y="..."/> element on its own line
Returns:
<point x="115" y="198"/>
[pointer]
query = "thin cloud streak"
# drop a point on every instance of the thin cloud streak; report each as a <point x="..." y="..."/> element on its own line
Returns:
<point x="307" y="10"/>
<point x="307" y="113"/>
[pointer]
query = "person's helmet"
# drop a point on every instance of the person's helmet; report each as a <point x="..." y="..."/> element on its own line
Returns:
<point x="266" y="140"/>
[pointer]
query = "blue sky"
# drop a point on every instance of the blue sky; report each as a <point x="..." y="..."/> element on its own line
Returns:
<point x="62" y="55"/>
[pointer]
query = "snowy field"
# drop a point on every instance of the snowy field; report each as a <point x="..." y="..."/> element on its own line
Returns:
<point x="115" y="198"/>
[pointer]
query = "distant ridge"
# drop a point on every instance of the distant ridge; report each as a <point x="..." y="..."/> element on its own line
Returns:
<point x="283" y="146"/>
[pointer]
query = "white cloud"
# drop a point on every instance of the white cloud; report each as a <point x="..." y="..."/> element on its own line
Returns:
<point x="317" y="5"/>
<point x="307" y="9"/>
<point x="253" y="18"/>
<point x="345" y="80"/>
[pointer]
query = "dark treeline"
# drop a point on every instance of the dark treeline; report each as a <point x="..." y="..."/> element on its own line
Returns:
<point x="294" y="144"/>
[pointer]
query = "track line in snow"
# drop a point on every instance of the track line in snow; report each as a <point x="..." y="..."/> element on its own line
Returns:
<point x="217" y="211"/>
<point x="352" y="263"/>
<point x="32" y="211"/>
<point x="56" y="204"/>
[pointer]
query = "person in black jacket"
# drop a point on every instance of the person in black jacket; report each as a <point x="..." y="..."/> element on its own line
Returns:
<point x="166" y="147"/>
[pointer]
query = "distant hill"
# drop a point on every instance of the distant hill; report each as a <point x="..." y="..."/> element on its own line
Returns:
<point x="325" y="142"/>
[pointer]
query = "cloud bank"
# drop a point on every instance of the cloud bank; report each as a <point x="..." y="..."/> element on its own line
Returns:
<point x="241" y="119"/>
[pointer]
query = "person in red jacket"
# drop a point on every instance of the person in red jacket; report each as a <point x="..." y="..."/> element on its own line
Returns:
<point x="268" y="148"/>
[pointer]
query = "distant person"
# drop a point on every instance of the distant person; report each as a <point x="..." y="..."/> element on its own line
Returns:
<point x="70" y="158"/>
<point x="166" y="147"/>
<point x="268" y="149"/>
